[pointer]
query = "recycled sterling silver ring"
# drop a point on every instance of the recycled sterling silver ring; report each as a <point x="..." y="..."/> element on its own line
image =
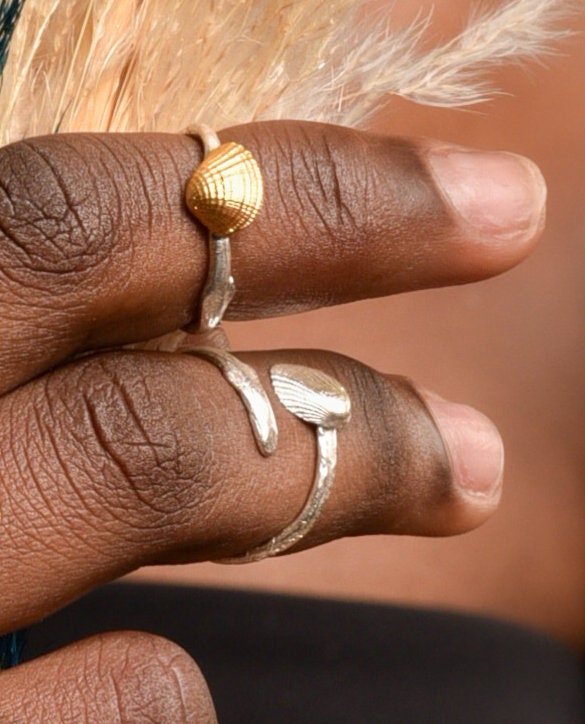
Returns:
<point x="320" y="400"/>
<point x="225" y="194"/>
<point x="312" y="396"/>
<point x="247" y="384"/>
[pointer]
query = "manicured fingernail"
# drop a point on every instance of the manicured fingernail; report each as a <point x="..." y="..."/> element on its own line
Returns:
<point x="501" y="195"/>
<point x="474" y="445"/>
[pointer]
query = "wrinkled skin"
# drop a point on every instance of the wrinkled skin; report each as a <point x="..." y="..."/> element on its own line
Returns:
<point x="115" y="459"/>
<point x="513" y="347"/>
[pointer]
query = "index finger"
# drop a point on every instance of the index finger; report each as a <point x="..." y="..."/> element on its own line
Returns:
<point x="97" y="248"/>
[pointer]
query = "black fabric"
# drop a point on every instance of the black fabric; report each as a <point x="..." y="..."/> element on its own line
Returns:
<point x="270" y="658"/>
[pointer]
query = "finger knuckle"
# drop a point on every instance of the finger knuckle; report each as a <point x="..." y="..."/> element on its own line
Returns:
<point x="412" y="469"/>
<point x="52" y="219"/>
<point x="376" y="414"/>
<point x="322" y="181"/>
<point x="150" y="679"/>
<point x="111" y="443"/>
<point x="157" y="465"/>
<point x="313" y="166"/>
<point x="396" y="446"/>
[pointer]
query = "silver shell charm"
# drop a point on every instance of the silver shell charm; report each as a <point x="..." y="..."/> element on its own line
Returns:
<point x="311" y="395"/>
<point x="225" y="191"/>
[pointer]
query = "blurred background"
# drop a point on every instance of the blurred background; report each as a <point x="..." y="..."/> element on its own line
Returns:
<point x="513" y="347"/>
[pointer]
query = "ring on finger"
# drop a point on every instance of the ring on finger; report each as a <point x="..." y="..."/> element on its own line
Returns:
<point x="320" y="400"/>
<point x="312" y="396"/>
<point x="224" y="193"/>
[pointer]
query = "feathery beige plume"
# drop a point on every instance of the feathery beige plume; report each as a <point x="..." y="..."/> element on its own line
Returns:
<point x="115" y="65"/>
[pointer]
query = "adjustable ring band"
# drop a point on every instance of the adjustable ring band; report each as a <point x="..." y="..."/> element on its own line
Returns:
<point x="312" y="396"/>
<point x="247" y="384"/>
<point x="320" y="400"/>
<point x="225" y="194"/>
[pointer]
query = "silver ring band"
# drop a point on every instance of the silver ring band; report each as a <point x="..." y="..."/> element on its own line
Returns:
<point x="320" y="400"/>
<point x="246" y="383"/>
<point x="312" y="396"/>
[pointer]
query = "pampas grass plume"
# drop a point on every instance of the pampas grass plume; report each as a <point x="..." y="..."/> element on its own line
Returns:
<point x="117" y="65"/>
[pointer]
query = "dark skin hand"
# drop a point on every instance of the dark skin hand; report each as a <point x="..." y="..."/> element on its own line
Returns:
<point x="115" y="459"/>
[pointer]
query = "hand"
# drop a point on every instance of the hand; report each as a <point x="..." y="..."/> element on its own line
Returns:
<point x="123" y="458"/>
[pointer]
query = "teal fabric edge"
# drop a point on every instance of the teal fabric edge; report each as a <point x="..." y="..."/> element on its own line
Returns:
<point x="9" y="14"/>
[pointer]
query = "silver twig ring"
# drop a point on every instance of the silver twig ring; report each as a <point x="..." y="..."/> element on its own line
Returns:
<point x="246" y="383"/>
<point x="225" y="194"/>
<point x="318" y="399"/>
<point x="312" y="396"/>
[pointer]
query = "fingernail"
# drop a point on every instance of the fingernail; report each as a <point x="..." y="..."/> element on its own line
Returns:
<point x="501" y="195"/>
<point x="473" y="443"/>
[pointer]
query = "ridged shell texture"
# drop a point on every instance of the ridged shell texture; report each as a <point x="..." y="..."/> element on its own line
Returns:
<point x="310" y="394"/>
<point x="225" y="191"/>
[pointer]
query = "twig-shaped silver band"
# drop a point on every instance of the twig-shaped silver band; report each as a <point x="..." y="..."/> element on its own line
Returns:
<point x="219" y="287"/>
<point x="317" y="399"/>
<point x="318" y="495"/>
<point x="312" y="396"/>
<point x="245" y="381"/>
<point x="207" y="135"/>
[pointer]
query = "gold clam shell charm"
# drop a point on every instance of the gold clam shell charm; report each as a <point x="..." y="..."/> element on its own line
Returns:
<point x="225" y="191"/>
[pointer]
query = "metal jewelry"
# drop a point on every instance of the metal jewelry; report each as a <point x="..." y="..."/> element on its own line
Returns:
<point x="246" y="382"/>
<point x="320" y="400"/>
<point x="225" y="193"/>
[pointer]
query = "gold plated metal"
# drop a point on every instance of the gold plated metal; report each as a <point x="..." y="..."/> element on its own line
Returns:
<point x="225" y="191"/>
<point x="225" y="194"/>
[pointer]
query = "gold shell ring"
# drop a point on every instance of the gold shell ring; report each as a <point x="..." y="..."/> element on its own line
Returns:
<point x="225" y="194"/>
